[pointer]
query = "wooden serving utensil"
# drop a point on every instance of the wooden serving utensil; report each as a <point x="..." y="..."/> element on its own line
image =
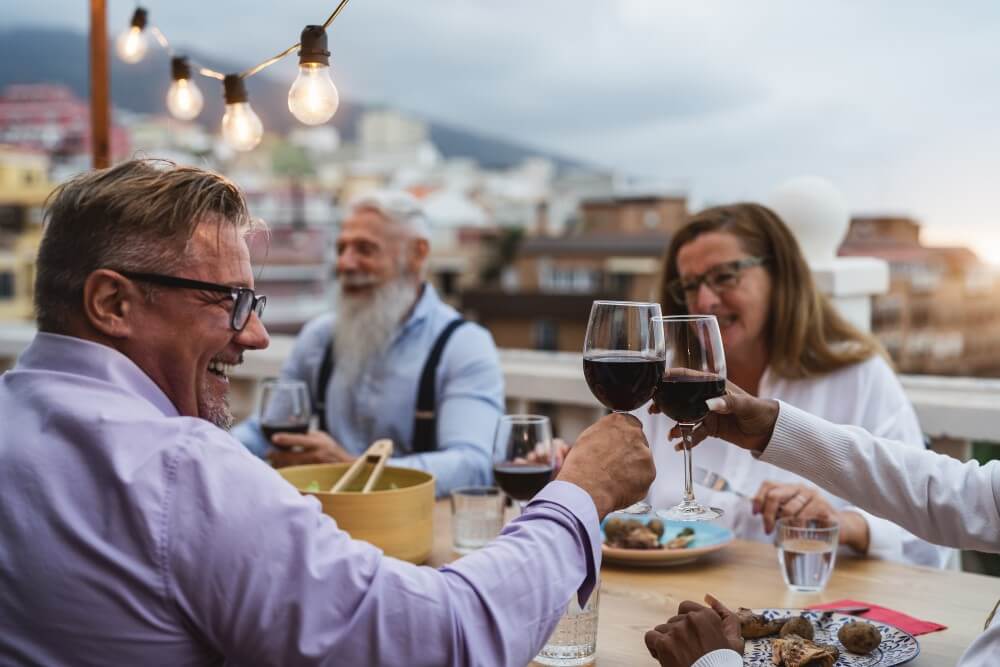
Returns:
<point x="377" y="454"/>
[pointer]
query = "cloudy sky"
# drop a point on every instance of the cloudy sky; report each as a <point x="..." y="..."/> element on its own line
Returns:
<point x="898" y="103"/>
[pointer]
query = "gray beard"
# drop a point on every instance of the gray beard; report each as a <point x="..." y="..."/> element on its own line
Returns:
<point x="365" y="326"/>
<point x="216" y="410"/>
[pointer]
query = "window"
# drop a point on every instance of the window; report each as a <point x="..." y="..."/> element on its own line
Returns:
<point x="546" y="334"/>
<point x="6" y="285"/>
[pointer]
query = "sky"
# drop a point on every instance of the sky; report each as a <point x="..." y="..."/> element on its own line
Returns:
<point x="896" y="103"/>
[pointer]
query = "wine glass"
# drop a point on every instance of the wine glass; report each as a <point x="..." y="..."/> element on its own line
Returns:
<point x="523" y="456"/>
<point x="623" y="357"/>
<point x="695" y="371"/>
<point x="284" y="407"/>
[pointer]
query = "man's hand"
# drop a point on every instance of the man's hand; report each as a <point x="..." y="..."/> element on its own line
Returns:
<point x="695" y="631"/>
<point x="294" y="449"/>
<point x="742" y="419"/>
<point x="611" y="462"/>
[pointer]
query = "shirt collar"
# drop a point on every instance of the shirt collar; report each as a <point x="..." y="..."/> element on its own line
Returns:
<point x="76" y="356"/>
<point x="426" y="304"/>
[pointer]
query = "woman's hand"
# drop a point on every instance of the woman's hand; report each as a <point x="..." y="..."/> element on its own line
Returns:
<point x="775" y="501"/>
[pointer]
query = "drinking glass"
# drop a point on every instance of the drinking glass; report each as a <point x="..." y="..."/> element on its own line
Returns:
<point x="476" y="517"/>
<point x="623" y="357"/>
<point x="523" y="456"/>
<point x="695" y="370"/>
<point x="574" y="641"/>
<point x="807" y="552"/>
<point x="284" y="407"/>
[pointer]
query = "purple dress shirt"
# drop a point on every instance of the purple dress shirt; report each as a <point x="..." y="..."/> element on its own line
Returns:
<point x="131" y="535"/>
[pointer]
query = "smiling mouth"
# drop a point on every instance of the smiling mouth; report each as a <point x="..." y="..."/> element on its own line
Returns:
<point x="221" y="369"/>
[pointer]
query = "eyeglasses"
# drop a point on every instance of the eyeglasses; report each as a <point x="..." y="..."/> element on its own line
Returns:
<point x="719" y="278"/>
<point x="245" y="300"/>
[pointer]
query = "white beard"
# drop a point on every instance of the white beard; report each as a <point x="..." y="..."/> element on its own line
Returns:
<point x="365" y="327"/>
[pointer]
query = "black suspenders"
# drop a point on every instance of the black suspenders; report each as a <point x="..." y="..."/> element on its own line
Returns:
<point x="425" y="418"/>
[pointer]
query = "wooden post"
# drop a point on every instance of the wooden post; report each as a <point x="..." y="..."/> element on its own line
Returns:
<point x="100" y="86"/>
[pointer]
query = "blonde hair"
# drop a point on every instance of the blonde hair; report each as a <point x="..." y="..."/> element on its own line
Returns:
<point x="137" y="216"/>
<point x="806" y="335"/>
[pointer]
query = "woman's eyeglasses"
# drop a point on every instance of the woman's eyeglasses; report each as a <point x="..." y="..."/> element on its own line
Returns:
<point x="719" y="278"/>
<point x="245" y="300"/>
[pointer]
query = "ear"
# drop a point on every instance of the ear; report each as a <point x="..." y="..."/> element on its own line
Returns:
<point x="420" y="249"/>
<point x="109" y="303"/>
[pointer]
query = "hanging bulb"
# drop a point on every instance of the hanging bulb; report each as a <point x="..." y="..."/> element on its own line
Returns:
<point x="241" y="127"/>
<point x="184" y="100"/>
<point x="132" y="43"/>
<point x="313" y="98"/>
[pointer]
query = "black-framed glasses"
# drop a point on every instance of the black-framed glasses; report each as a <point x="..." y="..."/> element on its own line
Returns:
<point x="719" y="278"/>
<point x="245" y="300"/>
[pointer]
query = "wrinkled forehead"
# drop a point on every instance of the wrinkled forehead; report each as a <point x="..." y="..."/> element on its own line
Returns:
<point x="219" y="253"/>
<point x="370" y="225"/>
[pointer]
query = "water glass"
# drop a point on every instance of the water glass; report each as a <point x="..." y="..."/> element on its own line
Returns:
<point x="807" y="551"/>
<point x="476" y="517"/>
<point x="574" y="641"/>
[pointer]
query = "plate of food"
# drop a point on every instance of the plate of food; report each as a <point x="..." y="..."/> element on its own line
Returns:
<point x="801" y="638"/>
<point x="645" y="540"/>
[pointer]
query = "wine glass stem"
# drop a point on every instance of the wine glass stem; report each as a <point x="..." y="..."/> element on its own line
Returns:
<point x="686" y="430"/>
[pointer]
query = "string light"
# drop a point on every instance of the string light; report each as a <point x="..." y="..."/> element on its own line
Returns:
<point x="241" y="127"/>
<point x="132" y="43"/>
<point x="313" y="98"/>
<point x="184" y="99"/>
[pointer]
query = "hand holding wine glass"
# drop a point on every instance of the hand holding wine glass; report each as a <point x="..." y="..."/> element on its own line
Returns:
<point x="523" y="456"/>
<point x="695" y="371"/>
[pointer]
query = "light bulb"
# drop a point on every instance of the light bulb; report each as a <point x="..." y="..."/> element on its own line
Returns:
<point x="241" y="127"/>
<point x="132" y="45"/>
<point x="313" y="98"/>
<point x="184" y="100"/>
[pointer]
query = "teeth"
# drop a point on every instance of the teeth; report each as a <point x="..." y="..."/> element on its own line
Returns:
<point x="220" y="367"/>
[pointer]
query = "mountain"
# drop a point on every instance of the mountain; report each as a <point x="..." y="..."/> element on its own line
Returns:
<point x="34" y="55"/>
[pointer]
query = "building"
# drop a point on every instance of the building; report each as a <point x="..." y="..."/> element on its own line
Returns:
<point x="24" y="185"/>
<point x="542" y="297"/>
<point x="941" y="315"/>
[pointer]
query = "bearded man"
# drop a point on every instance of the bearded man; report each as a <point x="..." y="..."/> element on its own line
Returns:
<point x="392" y="360"/>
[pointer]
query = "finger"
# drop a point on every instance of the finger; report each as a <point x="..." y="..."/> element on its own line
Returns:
<point x="304" y="440"/>
<point x="663" y="627"/>
<point x="772" y="505"/>
<point x="688" y="607"/>
<point x="652" y="640"/>
<point x="713" y="602"/>
<point x="761" y="495"/>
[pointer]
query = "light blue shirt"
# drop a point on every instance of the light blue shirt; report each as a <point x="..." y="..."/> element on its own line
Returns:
<point x="132" y="536"/>
<point x="382" y="404"/>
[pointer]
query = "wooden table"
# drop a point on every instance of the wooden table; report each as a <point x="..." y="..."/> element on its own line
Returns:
<point x="746" y="573"/>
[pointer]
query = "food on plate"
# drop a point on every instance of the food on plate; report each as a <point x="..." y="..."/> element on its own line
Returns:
<point x="794" y="651"/>
<point x="632" y="534"/>
<point x="798" y="625"/>
<point x="859" y="637"/>
<point x="755" y="626"/>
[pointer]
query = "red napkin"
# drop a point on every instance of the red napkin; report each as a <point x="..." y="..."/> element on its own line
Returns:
<point x="884" y="615"/>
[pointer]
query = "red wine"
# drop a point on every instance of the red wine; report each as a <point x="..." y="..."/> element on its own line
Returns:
<point x="270" y="429"/>
<point x="622" y="382"/>
<point x="682" y="397"/>
<point x="521" y="481"/>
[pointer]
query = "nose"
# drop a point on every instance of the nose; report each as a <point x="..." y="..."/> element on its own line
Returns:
<point x="705" y="300"/>
<point x="254" y="336"/>
<point x="347" y="261"/>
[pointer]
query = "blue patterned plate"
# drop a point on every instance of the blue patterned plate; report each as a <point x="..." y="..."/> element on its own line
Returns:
<point x="896" y="648"/>
<point x="708" y="537"/>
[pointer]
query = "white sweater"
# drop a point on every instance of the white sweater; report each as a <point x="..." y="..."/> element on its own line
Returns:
<point x="865" y="394"/>
<point x="936" y="497"/>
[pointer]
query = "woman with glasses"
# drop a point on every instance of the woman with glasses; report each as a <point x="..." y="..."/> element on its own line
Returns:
<point x="783" y="340"/>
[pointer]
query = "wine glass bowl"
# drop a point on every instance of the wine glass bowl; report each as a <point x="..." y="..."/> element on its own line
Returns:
<point x="694" y="371"/>
<point x="523" y="456"/>
<point x="623" y="358"/>
<point x="284" y="407"/>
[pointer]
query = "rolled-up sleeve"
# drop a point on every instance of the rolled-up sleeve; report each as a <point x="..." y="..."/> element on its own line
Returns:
<point x="470" y="400"/>
<point x="267" y="579"/>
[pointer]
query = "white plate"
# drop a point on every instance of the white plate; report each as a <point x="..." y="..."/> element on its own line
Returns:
<point x="896" y="648"/>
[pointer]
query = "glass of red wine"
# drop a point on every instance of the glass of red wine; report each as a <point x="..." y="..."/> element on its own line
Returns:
<point x="284" y="407"/>
<point x="623" y="357"/>
<point x="523" y="456"/>
<point x="695" y="371"/>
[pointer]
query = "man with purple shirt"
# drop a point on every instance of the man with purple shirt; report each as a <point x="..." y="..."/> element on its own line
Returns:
<point x="135" y="529"/>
